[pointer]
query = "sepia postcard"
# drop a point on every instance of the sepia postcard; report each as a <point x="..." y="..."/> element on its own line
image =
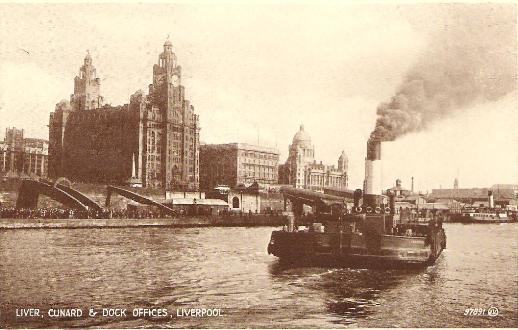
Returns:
<point x="258" y="164"/>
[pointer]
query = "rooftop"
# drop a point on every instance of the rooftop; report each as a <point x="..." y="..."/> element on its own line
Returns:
<point x="474" y="193"/>
<point x="241" y="146"/>
<point x="198" y="201"/>
<point x="301" y="138"/>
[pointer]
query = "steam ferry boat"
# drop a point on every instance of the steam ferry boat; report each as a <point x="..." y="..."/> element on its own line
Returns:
<point x="490" y="214"/>
<point x="485" y="216"/>
<point x="372" y="234"/>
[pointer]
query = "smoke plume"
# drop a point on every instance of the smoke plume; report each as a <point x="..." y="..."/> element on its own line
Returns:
<point x="471" y="60"/>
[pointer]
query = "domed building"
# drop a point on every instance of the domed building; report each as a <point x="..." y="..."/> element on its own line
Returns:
<point x="302" y="171"/>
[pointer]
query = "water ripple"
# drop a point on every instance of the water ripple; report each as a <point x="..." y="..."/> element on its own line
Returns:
<point x="229" y="268"/>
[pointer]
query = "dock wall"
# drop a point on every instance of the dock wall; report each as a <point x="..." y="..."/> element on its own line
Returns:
<point x="192" y="221"/>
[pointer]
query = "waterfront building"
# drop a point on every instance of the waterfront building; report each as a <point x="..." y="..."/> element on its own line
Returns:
<point x="244" y="200"/>
<point x="503" y="195"/>
<point x="20" y="156"/>
<point x="235" y="164"/>
<point x="301" y="170"/>
<point x="505" y="186"/>
<point x="152" y="142"/>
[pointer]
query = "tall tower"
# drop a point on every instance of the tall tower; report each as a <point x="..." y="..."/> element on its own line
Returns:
<point x="15" y="143"/>
<point x="456" y="183"/>
<point x="343" y="166"/>
<point x="86" y="88"/>
<point x="166" y="92"/>
<point x="301" y="153"/>
<point x="175" y="127"/>
<point x="343" y="162"/>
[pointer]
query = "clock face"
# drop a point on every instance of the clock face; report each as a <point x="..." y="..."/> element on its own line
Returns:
<point x="160" y="79"/>
<point x="175" y="80"/>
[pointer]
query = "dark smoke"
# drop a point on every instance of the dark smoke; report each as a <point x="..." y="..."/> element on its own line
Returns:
<point x="471" y="60"/>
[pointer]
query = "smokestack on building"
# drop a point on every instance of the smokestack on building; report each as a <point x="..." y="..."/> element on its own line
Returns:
<point x="412" y="185"/>
<point x="373" y="185"/>
<point x="491" y="199"/>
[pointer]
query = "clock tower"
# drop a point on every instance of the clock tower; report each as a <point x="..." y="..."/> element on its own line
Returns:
<point x="166" y="74"/>
<point x="86" y="88"/>
<point x="171" y="118"/>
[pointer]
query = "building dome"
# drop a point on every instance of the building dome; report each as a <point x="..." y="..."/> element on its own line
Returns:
<point x="168" y="43"/>
<point x="302" y="138"/>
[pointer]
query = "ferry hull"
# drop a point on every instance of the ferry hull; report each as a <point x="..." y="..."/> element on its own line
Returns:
<point x="489" y="221"/>
<point x="350" y="249"/>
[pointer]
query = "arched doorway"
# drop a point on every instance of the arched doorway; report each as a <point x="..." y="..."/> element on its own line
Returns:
<point x="235" y="202"/>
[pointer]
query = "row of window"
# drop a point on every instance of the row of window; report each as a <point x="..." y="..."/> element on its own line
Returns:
<point x="258" y="155"/>
<point x="154" y="125"/>
<point x="258" y="175"/>
<point x="153" y="158"/>
<point x="259" y="161"/>
<point x="248" y="167"/>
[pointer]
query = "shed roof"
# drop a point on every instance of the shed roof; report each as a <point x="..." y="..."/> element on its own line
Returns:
<point x="434" y="206"/>
<point x="198" y="201"/>
<point x="475" y="193"/>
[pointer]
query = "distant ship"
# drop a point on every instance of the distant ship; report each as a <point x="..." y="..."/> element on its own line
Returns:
<point x="484" y="216"/>
<point x="489" y="214"/>
<point x="370" y="235"/>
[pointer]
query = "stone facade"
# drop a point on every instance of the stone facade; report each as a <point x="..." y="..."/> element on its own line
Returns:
<point x="154" y="139"/>
<point x="302" y="171"/>
<point x="245" y="202"/>
<point x="236" y="164"/>
<point x="21" y="156"/>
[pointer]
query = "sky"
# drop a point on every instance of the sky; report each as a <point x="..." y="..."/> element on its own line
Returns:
<point x="256" y="71"/>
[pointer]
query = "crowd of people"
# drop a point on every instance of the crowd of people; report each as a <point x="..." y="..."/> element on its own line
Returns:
<point x="63" y="213"/>
<point x="140" y="213"/>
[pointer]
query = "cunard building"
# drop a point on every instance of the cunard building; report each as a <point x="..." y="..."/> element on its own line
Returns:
<point x="153" y="141"/>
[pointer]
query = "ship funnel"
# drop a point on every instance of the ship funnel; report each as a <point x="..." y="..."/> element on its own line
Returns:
<point x="373" y="149"/>
<point x="373" y="186"/>
<point x="392" y="203"/>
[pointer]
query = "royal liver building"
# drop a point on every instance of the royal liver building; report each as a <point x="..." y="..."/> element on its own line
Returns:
<point x="152" y="141"/>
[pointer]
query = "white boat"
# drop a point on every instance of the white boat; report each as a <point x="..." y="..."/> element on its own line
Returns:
<point x="487" y="217"/>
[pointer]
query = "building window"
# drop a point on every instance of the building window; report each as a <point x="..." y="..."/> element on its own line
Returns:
<point x="235" y="202"/>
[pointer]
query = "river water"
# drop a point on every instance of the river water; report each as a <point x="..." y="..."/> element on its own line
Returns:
<point x="229" y="269"/>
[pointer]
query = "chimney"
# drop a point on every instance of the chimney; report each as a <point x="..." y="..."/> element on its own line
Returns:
<point x="392" y="203"/>
<point x="357" y="196"/>
<point x="491" y="199"/>
<point x="373" y="185"/>
<point x="412" y="185"/>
